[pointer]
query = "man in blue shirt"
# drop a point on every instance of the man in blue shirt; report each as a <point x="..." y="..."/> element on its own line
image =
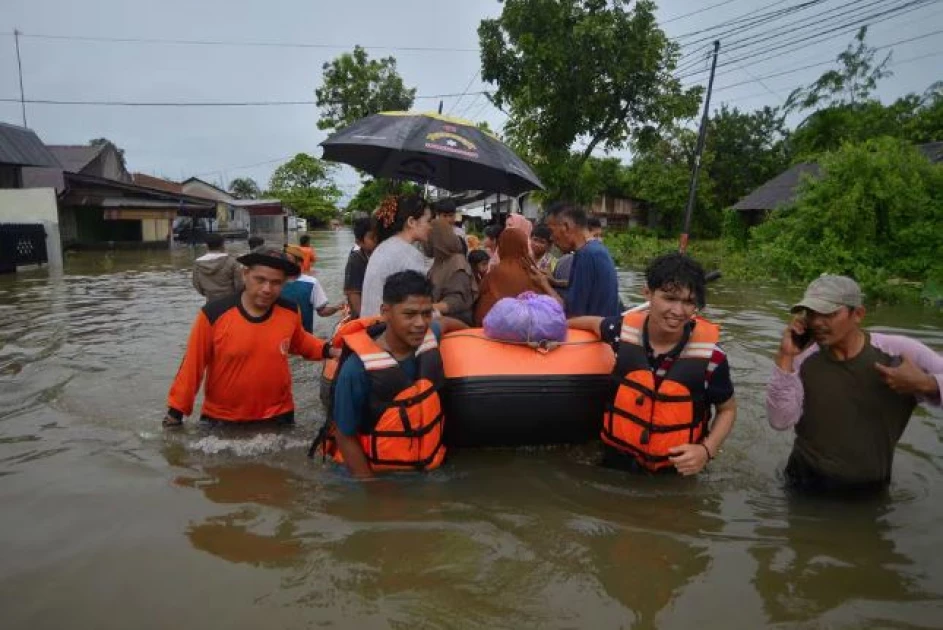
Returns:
<point x="594" y="287"/>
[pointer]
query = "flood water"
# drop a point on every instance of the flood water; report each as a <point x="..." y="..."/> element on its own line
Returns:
<point x="109" y="522"/>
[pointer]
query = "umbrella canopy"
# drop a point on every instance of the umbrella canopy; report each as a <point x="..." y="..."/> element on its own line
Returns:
<point x="430" y="148"/>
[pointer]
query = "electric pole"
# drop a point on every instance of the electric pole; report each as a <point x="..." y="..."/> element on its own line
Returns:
<point x="701" y="137"/>
<point x="19" y="65"/>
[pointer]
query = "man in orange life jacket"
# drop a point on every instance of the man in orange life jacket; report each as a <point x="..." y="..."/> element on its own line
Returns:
<point x="241" y="343"/>
<point x="670" y="372"/>
<point x="386" y="412"/>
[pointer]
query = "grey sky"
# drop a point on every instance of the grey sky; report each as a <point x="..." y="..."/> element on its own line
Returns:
<point x="220" y="143"/>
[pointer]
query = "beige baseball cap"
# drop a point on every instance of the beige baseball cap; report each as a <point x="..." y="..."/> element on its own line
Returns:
<point x="827" y="293"/>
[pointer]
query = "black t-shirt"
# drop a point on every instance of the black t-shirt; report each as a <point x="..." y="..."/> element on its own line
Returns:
<point x="355" y="271"/>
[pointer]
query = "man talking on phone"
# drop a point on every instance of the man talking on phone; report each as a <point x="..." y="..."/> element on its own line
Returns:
<point x="847" y="392"/>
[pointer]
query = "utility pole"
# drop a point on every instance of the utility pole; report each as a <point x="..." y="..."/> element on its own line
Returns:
<point x="701" y="137"/>
<point x="440" y="107"/>
<point x="19" y="65"/>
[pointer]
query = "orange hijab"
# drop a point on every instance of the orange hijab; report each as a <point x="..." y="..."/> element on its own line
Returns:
<point x="508" y="278"/>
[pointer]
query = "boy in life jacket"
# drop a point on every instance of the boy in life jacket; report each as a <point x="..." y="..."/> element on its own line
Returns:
<point x="669" y="373"/>
<point x="385" y="412"/>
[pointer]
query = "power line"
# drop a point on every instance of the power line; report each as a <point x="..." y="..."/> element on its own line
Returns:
<point x="686" y="15"/>
<point x="831" y="61"/>
<point x="224" y="42"/>
<point x="820" y="36"/>
<point x="109" y="103"/>
<point x="464" y="92"/>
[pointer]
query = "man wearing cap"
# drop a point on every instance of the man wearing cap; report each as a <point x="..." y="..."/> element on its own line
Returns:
<point x="241" y="344"/>
<point x="847" y="392"/>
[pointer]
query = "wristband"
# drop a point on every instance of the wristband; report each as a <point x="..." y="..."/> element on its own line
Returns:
<point x="707" y="450"/>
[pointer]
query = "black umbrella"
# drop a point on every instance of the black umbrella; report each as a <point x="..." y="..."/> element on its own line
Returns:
<point x="430" y="148"/>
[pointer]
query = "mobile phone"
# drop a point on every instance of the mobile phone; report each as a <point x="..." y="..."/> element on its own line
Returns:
<point x="895" y="361"/>
<point x="802" y="341"/>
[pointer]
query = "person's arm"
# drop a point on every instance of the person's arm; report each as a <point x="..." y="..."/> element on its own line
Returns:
<point x="354" y="457"/>
<point x="450" y="324"/>
<point x="690" y="459"/>
<point x="189" y="377"/>
<point x="458" y="296"/>
<point x="237" y="282"/>
<point x="308" y="346"/>
<point x="920" y="372"/>
<point x="589" y="323"/>
<point x="196" y="283"/>
<point x="539" y="278"/>
<point x="784" y="392"/>
<point x="350" y="396"/>
<point x="354" y="299"/>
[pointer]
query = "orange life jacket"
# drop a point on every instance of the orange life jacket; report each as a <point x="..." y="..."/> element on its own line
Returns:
<point x="647" y="419"/>
<point x="406" y="416"/>
<point x="329" y="369"/>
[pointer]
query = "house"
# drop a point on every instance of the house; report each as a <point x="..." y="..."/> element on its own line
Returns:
<point x="777" y="192"/>
<point x="98" y="211"/>
<point x="783" y="189"/>
<point x="266" y="216"/>
<point x="619" y="212"/>
<point x="229" y="216"/>
<point x="99" y="204"/>
<point x="29" y="221"/>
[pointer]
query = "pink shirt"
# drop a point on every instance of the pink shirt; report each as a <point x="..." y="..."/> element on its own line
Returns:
<point x="784" y="393"/>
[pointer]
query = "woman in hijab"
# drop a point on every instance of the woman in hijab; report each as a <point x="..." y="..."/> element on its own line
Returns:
<point x="509" y="278"/>
<point x="453" y="284"/>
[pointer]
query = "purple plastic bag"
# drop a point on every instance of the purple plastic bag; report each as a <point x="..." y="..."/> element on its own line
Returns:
<point x="528" y="317"/>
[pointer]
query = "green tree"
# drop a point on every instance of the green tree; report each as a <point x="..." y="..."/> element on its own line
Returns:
<point x="580" y="72"/>
<point x="244" y="188"/>
<point x="747" y="149"/>
<point x="875" y="214"/>
<point x="304" y="183"/>
<point x="853" y="82"/>
<point x="355" y="86"/>
<point x="660" y="174"/>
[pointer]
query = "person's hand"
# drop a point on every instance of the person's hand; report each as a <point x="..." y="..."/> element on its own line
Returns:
<point x="907" y="378"/>
<point x="689" y="459"/>
<point x="537" y="276"/>
<point x="788" y="350"/>
<point x="171" y="422"/>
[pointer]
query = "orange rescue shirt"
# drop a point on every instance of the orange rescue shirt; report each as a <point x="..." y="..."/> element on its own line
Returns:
<point x="245" y="360"/>
<point x="310" y="257"/>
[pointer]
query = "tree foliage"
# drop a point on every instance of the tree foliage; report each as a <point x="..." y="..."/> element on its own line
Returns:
<point x="355" y="86"/>
<point x="304" y="183"/>
<point x="852" y="82"/>
<point x="593" y="72"/>
<point x="746" y="150"/>
<point x="875" y="214"/>
<point x="244" y="188"/>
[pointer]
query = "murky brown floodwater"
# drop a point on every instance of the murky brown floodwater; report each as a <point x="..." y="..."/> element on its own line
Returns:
<point x="109" y="523"/>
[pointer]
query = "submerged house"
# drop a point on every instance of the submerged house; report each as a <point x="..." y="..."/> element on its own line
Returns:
<point x="99" y="205"/>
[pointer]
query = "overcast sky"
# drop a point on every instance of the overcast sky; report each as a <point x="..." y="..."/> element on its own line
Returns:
<point x="220" y="143"/>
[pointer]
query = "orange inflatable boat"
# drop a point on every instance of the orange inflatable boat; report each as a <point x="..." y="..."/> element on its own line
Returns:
<point x="516" y="394"/>
<point x="502" y="393"/>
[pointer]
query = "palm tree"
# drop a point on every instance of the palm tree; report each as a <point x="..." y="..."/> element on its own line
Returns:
<point x="244" y="188"/>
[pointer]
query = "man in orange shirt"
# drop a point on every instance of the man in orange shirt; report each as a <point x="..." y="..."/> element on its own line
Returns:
<point x="310" y="256"/>
<point x="241" y="343"/>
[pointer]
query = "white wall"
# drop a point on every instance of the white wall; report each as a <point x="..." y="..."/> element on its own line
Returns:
<point x="35" y="205"/>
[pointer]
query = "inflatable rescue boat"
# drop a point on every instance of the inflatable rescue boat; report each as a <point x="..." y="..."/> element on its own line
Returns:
<point x="501" y="393"/>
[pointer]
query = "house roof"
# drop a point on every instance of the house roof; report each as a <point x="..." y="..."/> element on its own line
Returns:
<point x="195" y="180"/>
<point x="75" y="157"/>
<point x="88" y="190"/>
<point x="933" y="151"/>
<point x="779" y="191"/>
<point x="157" y="183"/>
<point x="782" y="189"/>
<point x="22" y="147"/>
